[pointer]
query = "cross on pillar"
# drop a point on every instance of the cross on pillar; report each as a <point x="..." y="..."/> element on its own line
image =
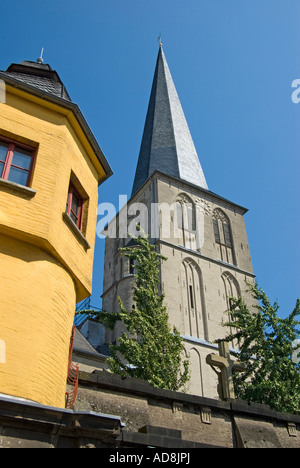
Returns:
<point x="227" y="366"/>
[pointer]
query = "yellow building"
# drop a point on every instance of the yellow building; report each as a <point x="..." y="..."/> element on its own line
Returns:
<point x="50" y="168"/>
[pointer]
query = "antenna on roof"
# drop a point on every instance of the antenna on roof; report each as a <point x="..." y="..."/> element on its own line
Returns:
<point x="40" y="59"/>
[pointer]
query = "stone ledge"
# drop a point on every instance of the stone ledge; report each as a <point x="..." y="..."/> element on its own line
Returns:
<point x="17" y="189"/>
<point x="262" y="411"/>
<point x="136" y="439"/>
<point x="76" y="231"/>
<point x="30" y="416"/>
<point x="108" y="381"/>
<point x="139" y="387"/>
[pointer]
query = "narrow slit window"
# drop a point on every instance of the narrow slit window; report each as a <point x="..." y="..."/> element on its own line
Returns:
<point x="191" y="296"/>
<point x="131" y="266"/>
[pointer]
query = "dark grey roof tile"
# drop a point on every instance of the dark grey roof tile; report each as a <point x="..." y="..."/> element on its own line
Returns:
<point x="167" y="145"/>
<point x="39" y="76"/>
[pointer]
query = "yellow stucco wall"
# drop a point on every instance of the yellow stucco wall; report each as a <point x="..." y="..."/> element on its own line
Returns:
<point x="45" y="268"/>
<point x="59" y="152"/>
<point x="36" y="316"/>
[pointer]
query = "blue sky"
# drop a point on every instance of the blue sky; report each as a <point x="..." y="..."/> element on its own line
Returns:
<point x="233" y="63"/>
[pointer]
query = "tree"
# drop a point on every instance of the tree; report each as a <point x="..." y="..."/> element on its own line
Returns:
<point x="148" y="349"/>
<point x="269" y="350"/>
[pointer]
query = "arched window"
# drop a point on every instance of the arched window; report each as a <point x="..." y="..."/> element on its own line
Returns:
<point x="195" y="320"/>
<point x="223" y="236"/>
<point x="231" y="289"/>
<point x="186" y="221"/>
<point x="196" y="383"/>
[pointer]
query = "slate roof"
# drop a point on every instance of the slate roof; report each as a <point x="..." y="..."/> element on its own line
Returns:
<point x="40" y="76"/>
<point x="167" y="145"/>
<point x="41" y="80"/>
<point x="81" y="344"/>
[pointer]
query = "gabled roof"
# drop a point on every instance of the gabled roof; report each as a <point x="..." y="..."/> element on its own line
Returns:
<point x="167" y="145"/>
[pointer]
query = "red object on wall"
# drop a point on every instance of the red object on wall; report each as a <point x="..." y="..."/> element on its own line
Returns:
<point x="72" y="379"/>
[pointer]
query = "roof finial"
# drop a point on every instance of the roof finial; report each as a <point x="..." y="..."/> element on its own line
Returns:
<point x="40" y="59"/>
<point x="159" y="40"/>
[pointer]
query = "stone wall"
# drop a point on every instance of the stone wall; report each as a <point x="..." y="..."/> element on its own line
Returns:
<point x="114" y="413"/>
<point x="200" y="421"/>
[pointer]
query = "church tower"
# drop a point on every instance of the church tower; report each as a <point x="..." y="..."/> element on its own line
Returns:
<point x="202" y="234"/>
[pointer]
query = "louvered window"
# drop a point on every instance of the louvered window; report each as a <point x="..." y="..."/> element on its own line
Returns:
<point x="191" y="212"/>
<point x="186" y="216"/>
<point x="186" y="222"/>
<point x="223" y="237"/>
<point x="216" y="231"/>
<point x="227" y="235"/>
<point x="179" y="215"/>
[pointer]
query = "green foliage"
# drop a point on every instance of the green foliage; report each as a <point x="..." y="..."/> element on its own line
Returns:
<point x="107" y="319"/>
<point x="148" y="349"/>
<point x="267" y="349"/>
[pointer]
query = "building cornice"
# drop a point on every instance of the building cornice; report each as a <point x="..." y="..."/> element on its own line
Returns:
<point x="227" y="266"/>
<point x="158" y="175"/>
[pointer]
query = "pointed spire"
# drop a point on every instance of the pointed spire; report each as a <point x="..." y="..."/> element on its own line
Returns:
<point x="167" y="145"/>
